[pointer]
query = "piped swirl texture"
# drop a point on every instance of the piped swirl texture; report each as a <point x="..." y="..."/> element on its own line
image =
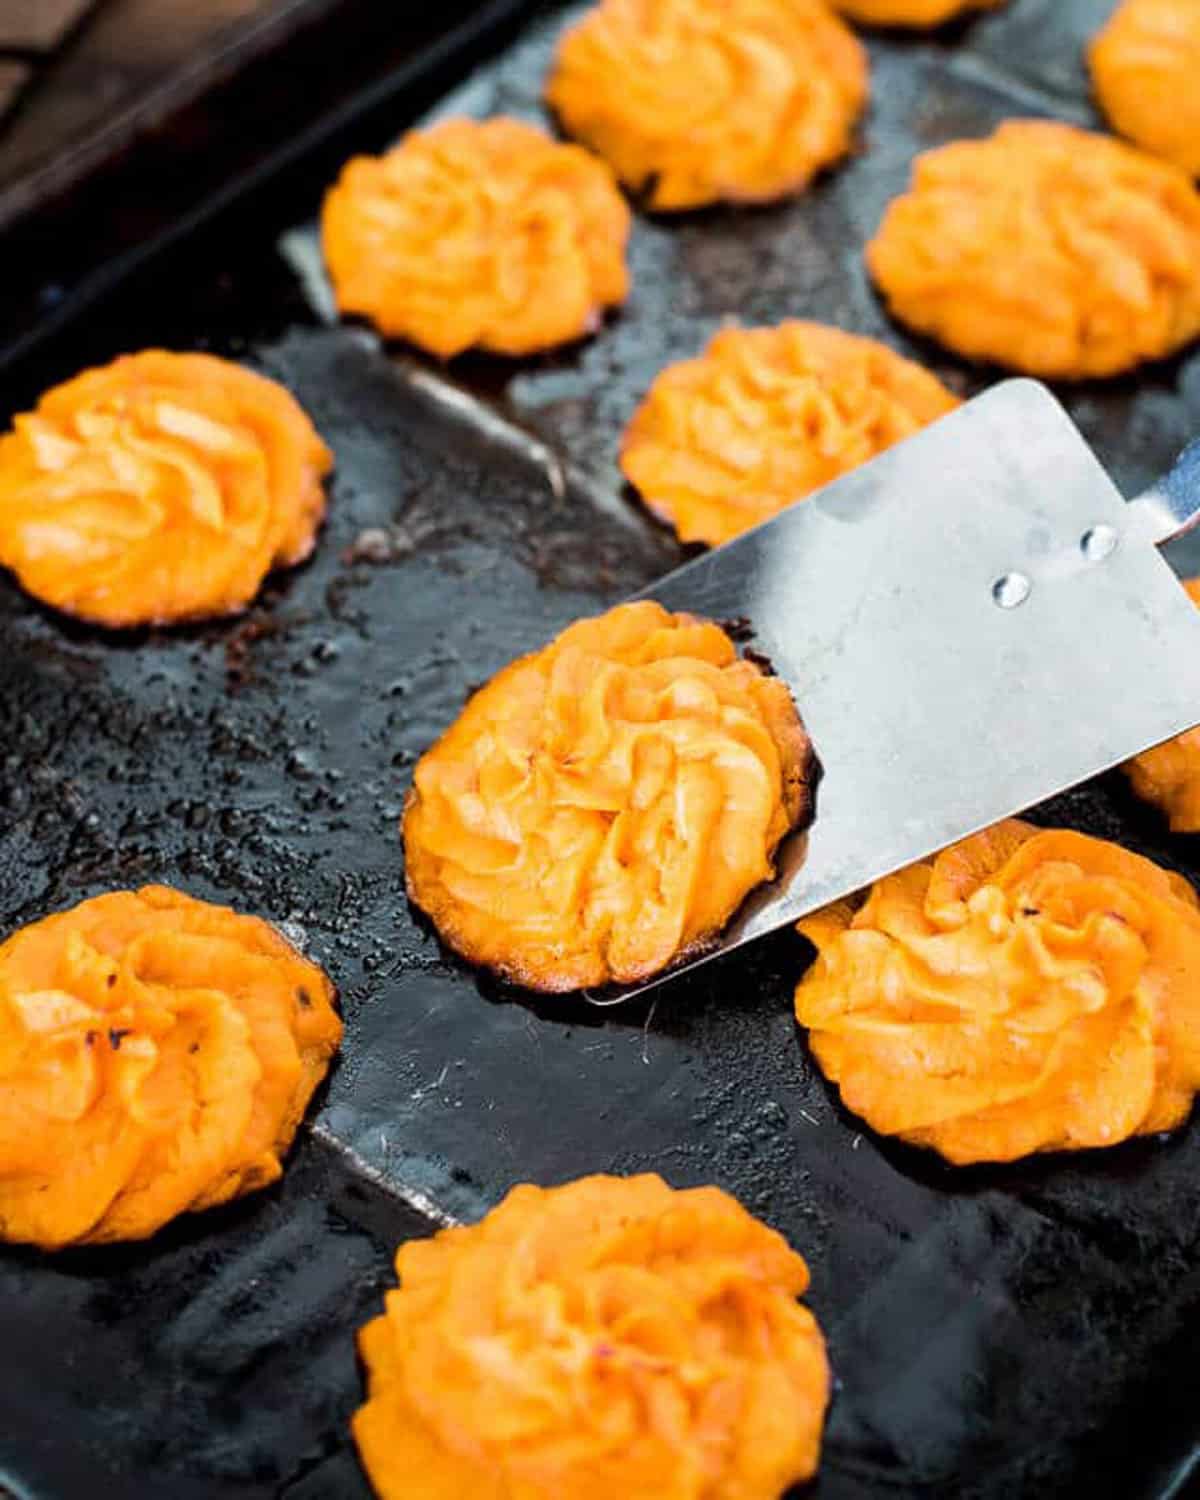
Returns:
<point x="478" y="235"/>
<point x="764" y="417"/>
<point x="601" y="808"/>
<point x="162" y="487"/>
<point x="611" y="1337"/>
<point x="156" y="1056"/>
<point x="1025" y="991"/>
<point x="694" y="101"/>
<point x="1046" y="248"/>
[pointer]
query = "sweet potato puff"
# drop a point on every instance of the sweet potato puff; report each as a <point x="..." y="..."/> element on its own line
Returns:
<point x="764" y="417"/>
<point x="156" y="1056"/>
<point x="1024" y="991"/>
<point x="1144" y="65"/>
<point x="914" y="13"/>
<point x="612" y="1337"/>
<point x="693" y="101"/>
<point x="603" y="806"/>
<point x="1169" y="774"/>
<point x="484" y="235"/>
<point x="1045" y="248"/>
<point x="162" y="487"/>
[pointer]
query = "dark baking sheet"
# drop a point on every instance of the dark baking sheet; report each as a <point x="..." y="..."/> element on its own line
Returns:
<point x="1022" y="1331"/>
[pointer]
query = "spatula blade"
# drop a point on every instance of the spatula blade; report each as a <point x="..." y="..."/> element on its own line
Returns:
<point x="934" y="709"/>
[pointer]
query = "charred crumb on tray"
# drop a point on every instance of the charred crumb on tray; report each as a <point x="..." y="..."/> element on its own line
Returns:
<point x="374" y="545"/>
<point x="379" y="546"/>
<point x="238" y="669"/>
<point x="763" y="662"/>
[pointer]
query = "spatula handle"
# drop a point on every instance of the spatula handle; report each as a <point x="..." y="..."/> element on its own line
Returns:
<point x="1171" y="506"/>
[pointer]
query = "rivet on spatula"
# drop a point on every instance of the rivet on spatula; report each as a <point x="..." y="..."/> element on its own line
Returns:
<point x="1011" y="589"/>
<point x="1098" y="542"/>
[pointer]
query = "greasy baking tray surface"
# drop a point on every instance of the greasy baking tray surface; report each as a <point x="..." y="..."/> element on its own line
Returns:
<point x="1002" y="1332"/>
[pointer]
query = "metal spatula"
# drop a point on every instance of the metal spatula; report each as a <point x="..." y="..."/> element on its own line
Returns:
<point x="969" y="624"/>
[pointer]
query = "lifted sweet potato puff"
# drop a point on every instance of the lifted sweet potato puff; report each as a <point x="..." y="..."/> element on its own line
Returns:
<point x="601" y="808"/>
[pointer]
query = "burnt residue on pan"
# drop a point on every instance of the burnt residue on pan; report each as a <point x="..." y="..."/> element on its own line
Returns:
<point x="1026" y="1330"/>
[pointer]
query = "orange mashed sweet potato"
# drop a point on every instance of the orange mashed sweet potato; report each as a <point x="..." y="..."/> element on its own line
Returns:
<point x="916" y="13"/>
<point x="1024" y="991"/>
<point x="764" y="417"/>
<point x="484" y="235"/>
<point x="611" y="1339"/>
<point x="1045" y="248"/>
<point x="159" y="488"/>
<point x="156" y="1056"/>
<point x="601" y="808"/>
<point x="693" y="101"/>
<point x="1169" y="774"/>
<point x="1145" y="64"/>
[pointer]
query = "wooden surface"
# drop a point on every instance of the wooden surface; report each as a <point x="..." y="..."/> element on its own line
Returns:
<point x="14" y="75"/>
<point x="114" y="148"/>
<point x="101" y="66"/>
<point x="38" y="25"/>
<point x="31" y="32"/>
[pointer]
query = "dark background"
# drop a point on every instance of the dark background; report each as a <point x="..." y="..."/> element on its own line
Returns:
<point x="1019" y="1331"/>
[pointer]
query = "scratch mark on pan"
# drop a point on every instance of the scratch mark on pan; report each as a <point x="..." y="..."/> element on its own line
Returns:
<point x="412" y="1196"/>
<point x="301" y="250"/>
<point x="812" y="1120"/>
<point x="1176" y="1487"/>
<point x="646" y="1031"/>
<point x="431" y="1087"/>
<point x="529" y="1026"/>
<point x="483" y="418"/>
<point x="610" y="500"/>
